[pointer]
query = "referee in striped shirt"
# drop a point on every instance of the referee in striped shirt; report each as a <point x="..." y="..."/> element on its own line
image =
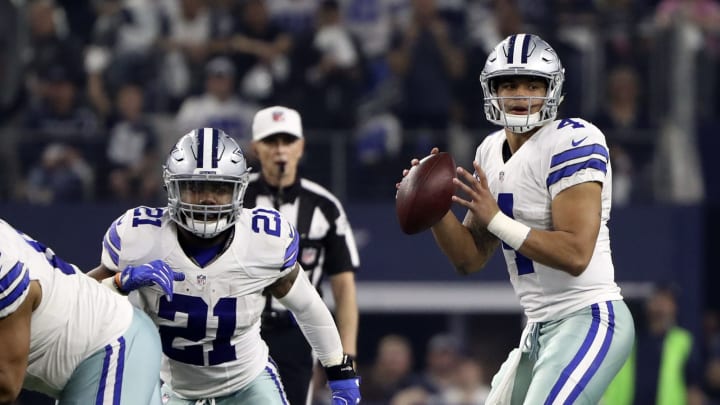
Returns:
<point x="327" y="245"/>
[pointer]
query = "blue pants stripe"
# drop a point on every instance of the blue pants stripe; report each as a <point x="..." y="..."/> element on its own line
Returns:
<point x="599" y="358"/>
<point x="561" y="385"/>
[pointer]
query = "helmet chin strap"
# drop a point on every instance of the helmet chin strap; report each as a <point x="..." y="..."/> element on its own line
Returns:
<point x="200" y="228"/>
<point x="520" y="124"/>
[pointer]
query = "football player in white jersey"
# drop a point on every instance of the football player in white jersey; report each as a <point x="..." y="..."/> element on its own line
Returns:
<point x="541" y="189"/>
<point x="231" y="257"/>
<point x="63" y="334"/>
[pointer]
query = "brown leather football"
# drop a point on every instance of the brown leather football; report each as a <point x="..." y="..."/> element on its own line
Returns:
<point x="425" y="194"/>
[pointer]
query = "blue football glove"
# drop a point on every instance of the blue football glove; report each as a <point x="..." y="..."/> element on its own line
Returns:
<point x="345" y="392"/>
<point x="344" y="383"/>
<point x="156" y="272"/>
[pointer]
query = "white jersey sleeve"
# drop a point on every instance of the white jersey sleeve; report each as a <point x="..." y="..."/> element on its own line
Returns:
<point x="14" y="281"/>
<point x="274" y="245"/>
<point x="579" y="154"/>
<point x="123" y="243"/>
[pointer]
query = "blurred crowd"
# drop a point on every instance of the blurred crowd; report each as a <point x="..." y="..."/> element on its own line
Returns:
<point x="93" y="92"/>
<point x="456" y="368"/>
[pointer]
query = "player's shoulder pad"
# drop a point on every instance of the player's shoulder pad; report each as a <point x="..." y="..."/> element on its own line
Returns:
<point x="488" y="142"/>
<point x="272" y="241"/>
<point x="134" y="235"/>
<point x="577" y="131"/>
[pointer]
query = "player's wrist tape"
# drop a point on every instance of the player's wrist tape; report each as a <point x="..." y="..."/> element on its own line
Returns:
<point x="342" y="371"/>
<point x="508" y="230"/>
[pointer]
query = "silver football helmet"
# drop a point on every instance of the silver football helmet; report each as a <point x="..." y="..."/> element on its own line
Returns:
<point x="522" y="55"/>
<point x="205" y="160"/>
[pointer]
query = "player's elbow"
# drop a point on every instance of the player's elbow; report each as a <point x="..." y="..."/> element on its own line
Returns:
<point x="576" y="265"/>
<point x="467" y="268"/>
<point x="8" y="392"/>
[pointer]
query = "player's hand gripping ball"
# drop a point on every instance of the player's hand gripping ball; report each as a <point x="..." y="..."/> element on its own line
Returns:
<point x="425" y="194"/>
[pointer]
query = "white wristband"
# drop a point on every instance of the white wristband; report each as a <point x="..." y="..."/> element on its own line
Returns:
<point x="508" y="230"/>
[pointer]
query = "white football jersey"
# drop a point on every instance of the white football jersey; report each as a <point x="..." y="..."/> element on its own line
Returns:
<point x="210" y="331"/>
<point x="76" y="317"/>
<point x="561" y="154"/>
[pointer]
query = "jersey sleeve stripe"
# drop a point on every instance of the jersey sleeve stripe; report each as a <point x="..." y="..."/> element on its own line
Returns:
<point x="12" y="287"/>
<point x="113" y="254"/>
<point x="291" y="252"/>
<point x="583" y="151"/>
<point x="567" y="171"/>
<point x="114" y="237"/>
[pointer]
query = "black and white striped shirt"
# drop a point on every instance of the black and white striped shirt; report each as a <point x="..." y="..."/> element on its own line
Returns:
<point x="327" y="244"/>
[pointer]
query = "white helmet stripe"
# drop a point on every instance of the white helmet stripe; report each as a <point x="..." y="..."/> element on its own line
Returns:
<point x="207" y="148"/>
<point x="519" y="49"/>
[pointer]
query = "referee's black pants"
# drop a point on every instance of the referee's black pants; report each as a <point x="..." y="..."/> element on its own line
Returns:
<point x="293" y="356"/>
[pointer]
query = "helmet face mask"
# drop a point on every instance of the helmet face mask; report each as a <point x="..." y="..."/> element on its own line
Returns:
<point x="206" y="176"/>
<point x="522" y="55"/>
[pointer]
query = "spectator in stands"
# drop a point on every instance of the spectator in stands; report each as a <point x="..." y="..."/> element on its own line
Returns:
<point x="124" y="36"/>
<point x="132" y="149"/>
<point x="426" y="59"/>
<point x="293" y="16"/>
<point x="415" y="395"/>
<point x="468" y="385"/>
<point x="59" y="116"/>
<point x="664" y="367"/>
<point x="705" y="14"/>
<point x="444" y="352"/>
<point x="391" y="370"/>
<point x="442" y="358"/>
<point x="630" y="136"/>
<point x="259" y="49"/>
<point x="573" y="32"/>
<point x="696" y="23"/>
<point x="711" y="356"/>
<point x="218" y="106"/>
<point x="328" y="68"/>
<point x="187" y="31"/>
<point x="61" y="176"/>
<point x="49" y="43"/>
<point x="626" y="31"/>
<point x="11" y="65"/>
<point x="373" y="23"/>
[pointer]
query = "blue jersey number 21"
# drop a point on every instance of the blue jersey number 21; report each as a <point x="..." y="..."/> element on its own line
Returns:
<point x="196" y="329"/>
<point x="524" y="265"/>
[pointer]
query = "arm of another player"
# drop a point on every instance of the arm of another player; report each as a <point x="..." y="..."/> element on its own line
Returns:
<point x="576" y="215"/>
<point x="316" y="322"/>
<point x="15" y="343"/>
<point x="346" y="309"/>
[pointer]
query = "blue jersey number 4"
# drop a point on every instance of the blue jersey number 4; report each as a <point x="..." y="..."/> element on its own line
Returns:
<point x="524" y="265"/>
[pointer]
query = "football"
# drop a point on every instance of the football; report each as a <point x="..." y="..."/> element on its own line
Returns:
<point x="425" y="194"/>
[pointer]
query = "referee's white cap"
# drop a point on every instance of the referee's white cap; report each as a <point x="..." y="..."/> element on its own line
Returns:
<point x="276" y="120"/>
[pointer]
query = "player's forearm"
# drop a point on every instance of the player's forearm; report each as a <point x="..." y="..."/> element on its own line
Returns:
<point x="457" y="243"/>
<point x="10" y="384"/>
<point x="346" y="314"/>
<point x="315" y="320"/>
<point x="558" y="249"/>
<point x="346" y="309"/>
<point x="100" y="273"/>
